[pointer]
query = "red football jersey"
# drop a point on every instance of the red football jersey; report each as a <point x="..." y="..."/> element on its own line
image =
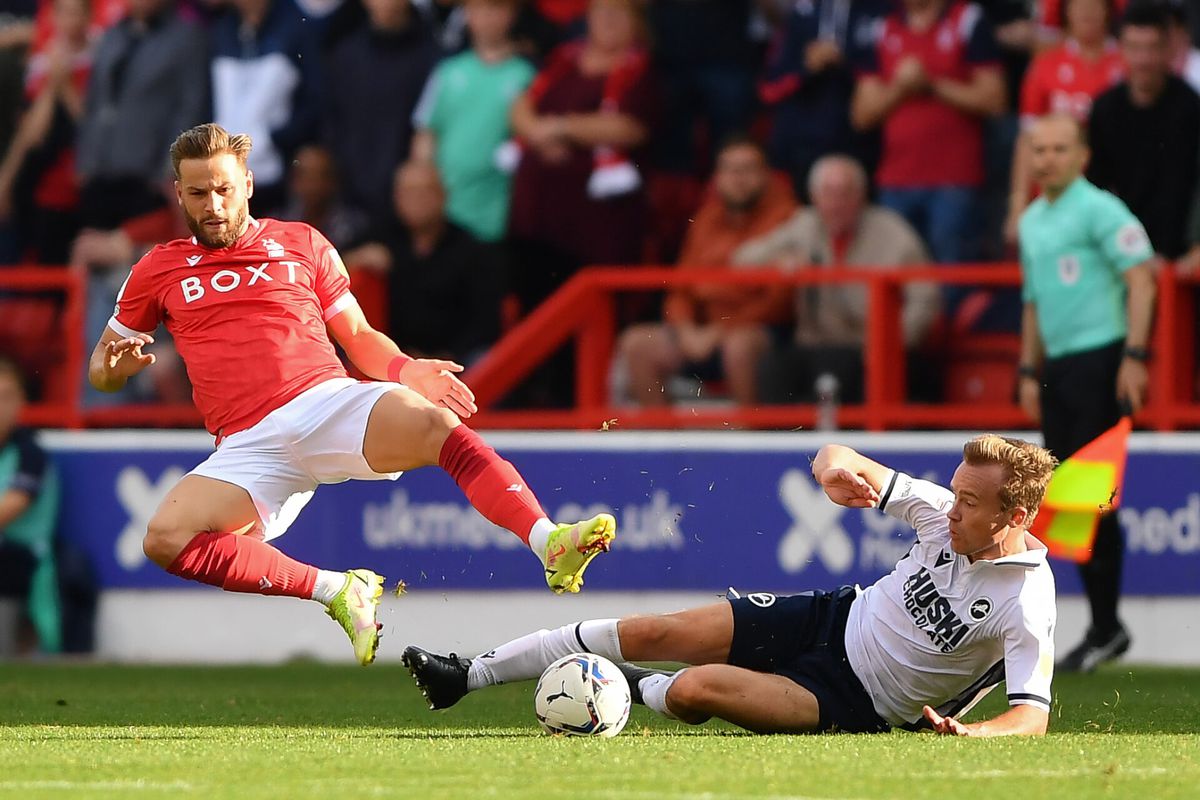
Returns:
<point x="248" y="320"/>
<point x="1060" y="80"/>
<point x="928" y="142"/>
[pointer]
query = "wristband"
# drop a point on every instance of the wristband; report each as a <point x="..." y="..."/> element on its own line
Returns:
<point x="395" y="365"/>
<point x="1137" y="353"/>
<point x="1026" y="371"/>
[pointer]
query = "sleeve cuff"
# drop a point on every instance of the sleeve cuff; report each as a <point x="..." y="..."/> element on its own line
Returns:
<point x="125" y="330"/>
<point x="338" y="306"/>
<point x="1022" y="699"/>
<point x="887" y="490"/>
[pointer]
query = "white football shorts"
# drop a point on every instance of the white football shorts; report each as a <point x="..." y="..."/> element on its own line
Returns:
<point x="314" y="438"/>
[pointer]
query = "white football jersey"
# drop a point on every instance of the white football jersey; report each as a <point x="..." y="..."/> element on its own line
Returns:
<point x="936" y="625"/>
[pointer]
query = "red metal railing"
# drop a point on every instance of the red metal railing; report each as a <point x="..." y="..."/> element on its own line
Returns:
<point x="583" y="311"/>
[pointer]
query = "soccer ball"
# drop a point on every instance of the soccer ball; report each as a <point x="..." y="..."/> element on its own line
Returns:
<point x="582" y="695"/>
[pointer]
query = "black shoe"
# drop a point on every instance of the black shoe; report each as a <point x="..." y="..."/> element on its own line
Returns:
<point x="634" y="675"/>
<point x="1095" y="649"/>
<point x="442" y="679"/>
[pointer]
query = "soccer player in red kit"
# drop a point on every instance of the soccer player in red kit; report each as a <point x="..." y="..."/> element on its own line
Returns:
<point x="254" y="306"/>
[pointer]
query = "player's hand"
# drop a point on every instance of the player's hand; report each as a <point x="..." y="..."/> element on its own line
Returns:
<point x="946" y="726"/>
<point x="1029" y="396"/>
<point x="1132" y="379"/>
<point x="848" y="489"/>
<point x="911" y="76"/>
<point x="434" y="379"/>
<point x="124" y="357"/>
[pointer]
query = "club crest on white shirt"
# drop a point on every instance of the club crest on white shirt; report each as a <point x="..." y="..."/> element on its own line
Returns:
<point x="980" y="609"/>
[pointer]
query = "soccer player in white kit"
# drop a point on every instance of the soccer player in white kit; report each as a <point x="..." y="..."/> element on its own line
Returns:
<point x="255" y="307"/>
<point x="970" y="605"/>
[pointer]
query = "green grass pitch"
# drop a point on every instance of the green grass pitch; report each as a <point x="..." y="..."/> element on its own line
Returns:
<point x="317" y="731"/>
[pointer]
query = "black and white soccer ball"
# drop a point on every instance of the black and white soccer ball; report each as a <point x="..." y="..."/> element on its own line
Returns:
<point x="582" y="695"/>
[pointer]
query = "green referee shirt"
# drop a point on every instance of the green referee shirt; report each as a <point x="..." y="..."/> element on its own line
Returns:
<point x="1074" y="253"/>
<point x="466" y="104"/>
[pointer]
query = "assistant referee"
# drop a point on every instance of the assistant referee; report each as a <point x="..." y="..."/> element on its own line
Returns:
<point x="1088" y="288"/>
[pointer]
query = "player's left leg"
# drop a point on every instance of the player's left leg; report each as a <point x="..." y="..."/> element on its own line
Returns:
<point x="210" y="530"/>
<point x="405" y="431"/>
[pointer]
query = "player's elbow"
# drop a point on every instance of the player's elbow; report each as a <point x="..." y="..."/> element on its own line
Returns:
<point x="831" y="455"/>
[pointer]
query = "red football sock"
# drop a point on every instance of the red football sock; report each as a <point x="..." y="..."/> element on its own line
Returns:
<point x="492" y="484"/>
<point x="240" y="563"/>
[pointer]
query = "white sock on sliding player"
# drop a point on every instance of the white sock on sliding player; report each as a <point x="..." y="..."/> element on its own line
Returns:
<point x="654" y="690"/>
<point x="527" y="658"/>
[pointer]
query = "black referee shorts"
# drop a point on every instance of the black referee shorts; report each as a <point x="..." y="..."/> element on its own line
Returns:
<point x="803" y="637"/>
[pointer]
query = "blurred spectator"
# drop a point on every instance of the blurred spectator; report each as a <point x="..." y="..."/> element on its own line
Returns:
<point x="934" y="77"/>
<point x="445" y="286"/>
<point x="38" y="185"/>
<point x="1064" y="79"/>
<point x="267" y="82"/>
<point x="810" y="80"/>
<point x="705" y="63"/>
<point x="375" y="79"/>
<point x="463" y="118"/>
<point x="840" y="231"/>
<point x="1088" y="283"/>
<point x="29" y="505"/>
<point x="1145" y="133"/>
<point x="16" y="32"/>
<point x="717" y="330"/>
<point x="313" y="197"/>
<point x="577" y="194"/>
<point x="1185" y="58"/>
<point x="1050" y="17"/>
<point x="149" y="81"/>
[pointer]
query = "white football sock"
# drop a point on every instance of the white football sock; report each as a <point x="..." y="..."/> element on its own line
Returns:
<point x="328" y="585"/>
<point x="527" y="658"/>
<point x="654" y="692"/>
<point x="539" y="537"/>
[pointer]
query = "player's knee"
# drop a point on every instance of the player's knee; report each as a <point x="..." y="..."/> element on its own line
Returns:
<point x="437" y="423"/>
<point x="163" y="541"/>
<point x="690" y="696"/>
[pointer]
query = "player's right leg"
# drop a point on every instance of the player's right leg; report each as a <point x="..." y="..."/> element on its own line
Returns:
<point x="696" y="636"/>
<point x="405" y="431"/>
<point x="210" y="531"/>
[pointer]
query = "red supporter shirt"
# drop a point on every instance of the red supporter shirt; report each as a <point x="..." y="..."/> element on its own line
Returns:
<point x="927" y="142"/>
<point x="1060" y="80"/>
<point x="248" y="320"/>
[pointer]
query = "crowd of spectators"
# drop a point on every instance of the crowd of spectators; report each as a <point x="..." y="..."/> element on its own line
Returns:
<point x="476" y="153"/>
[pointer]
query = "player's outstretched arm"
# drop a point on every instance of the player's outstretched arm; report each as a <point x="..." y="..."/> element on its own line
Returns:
<point x="116" y="358"/>
<point x="1020" y="720"/>
<point x="848" y="477"/>
<point x="379" y="357"/>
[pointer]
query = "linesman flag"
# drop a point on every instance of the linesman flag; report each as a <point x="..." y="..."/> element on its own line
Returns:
<point x="1083" y="487"/>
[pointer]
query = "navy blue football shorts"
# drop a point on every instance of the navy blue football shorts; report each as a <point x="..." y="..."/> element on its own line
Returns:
<point x="803" y="637"/>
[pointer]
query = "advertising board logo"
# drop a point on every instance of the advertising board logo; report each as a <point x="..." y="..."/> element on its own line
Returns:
<point x="816" y="528"/>
<point x="139" y="497"/>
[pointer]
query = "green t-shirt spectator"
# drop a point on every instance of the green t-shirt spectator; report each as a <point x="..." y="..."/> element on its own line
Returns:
<point x="466" y="106"/>
<point x="1074" y="253"/>
<point x="25" y="468"/>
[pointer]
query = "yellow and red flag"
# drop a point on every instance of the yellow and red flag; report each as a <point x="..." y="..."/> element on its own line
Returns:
<point x="1083" y="487"/>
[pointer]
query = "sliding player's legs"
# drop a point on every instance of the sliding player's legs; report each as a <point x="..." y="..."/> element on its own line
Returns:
<point x="406" y="431"/>
<point x="696" y="636"/>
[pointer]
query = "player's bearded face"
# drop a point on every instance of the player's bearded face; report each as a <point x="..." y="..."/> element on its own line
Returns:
<point x="214" y="196"/>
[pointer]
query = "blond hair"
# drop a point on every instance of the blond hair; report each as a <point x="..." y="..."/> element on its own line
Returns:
<point x="1027" y="469"/>
<point x="208" y="140"/>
